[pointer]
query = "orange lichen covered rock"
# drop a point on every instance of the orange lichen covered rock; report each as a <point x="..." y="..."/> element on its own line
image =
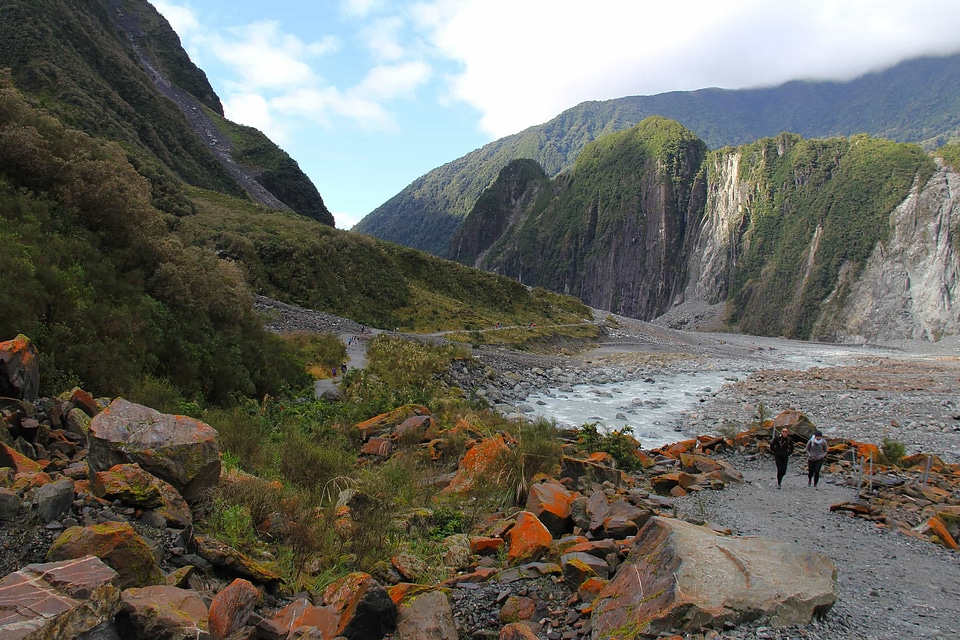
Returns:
<point x="118" y="545"/>
<point x="231" y="607"/>
<point x="10" y="457"/>
<point x="529" y="539"/>
<point x="387" y="421"/>
<point x="177" y="449"/>
<point x="479" y="463"/>
<point x="550" y="503"/>
<point x="301" y="614"/>
<point x="684" y="446"/>
<point x="935" y="526"/>
<point x="485" y="545"/>
<point x="19" y="369"/>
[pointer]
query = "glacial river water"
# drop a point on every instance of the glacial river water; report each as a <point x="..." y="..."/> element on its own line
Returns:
<point x="655" y="405"/>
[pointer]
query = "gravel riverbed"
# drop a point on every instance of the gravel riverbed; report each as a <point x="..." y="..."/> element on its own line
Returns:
<point x="891" y="586"/>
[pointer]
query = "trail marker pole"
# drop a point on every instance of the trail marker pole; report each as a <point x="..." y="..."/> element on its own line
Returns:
<point x="859" y="462"/>
<point x="871" y="475"/>
<point x="926" y="474"/>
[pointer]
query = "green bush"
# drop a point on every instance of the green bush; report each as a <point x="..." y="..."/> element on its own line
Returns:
<point x="892" y="451"/>
<point x="620" y="444"/>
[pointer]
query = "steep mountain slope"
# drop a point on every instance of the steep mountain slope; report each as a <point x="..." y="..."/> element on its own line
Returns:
<point x="841" y="238"/>
<point x="116" y="70"/>
<point x="915" y="101"/>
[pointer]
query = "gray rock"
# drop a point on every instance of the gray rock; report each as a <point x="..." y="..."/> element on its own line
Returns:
<point x="9" y="505"/>
<point x="426" y="617"/>
<point x="54" y="499"/>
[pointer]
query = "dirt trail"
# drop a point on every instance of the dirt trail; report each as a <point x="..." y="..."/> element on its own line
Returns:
<point x="892" y="586"/>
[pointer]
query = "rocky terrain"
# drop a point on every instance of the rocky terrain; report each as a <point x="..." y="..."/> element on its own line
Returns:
<point x="566" y="567"/>
<point x="891" y="585"/>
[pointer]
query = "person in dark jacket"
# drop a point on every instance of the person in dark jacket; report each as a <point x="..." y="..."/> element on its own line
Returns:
<point x="781" y="447"/>
<point x="816" y="452"/>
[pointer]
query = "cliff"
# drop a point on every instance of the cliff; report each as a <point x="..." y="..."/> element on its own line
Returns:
<point x="842" y="239"/>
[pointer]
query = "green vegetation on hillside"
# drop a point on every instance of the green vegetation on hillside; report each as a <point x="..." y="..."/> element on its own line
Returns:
<point x="839" y="191"/>
<point x="579" y="231"/>
<point x="296" y="260"/>
<point x="275" y="170"/>
<point x="90" y="65"/>
<point x="93" y="276"/>
<point x="915" y="101"/>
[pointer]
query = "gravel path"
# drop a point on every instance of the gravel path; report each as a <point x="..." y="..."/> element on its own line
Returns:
<point x="892" y="586"/>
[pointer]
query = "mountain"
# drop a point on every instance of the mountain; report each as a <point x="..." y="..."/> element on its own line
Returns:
<point x="914" y="101"/>
<point x="834" y="239"/>
<point x="115" y="70"/>
<point x="136" y="223"/>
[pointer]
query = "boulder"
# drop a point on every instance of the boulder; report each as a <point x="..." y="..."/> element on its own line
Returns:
<point x="800" y="426"/>
<point x="300" y="614"/>
<point x="162" y="612"/>
<point x="19" y="369"/>
<point x="550" y="502"/>
<point x="9" y="505"/>
<point x="586" y="473"/>
<point x="578" y="567"/>
<point x="528" y="539"/>
<point x="118" y="545"/>
<point x="10" y="457"/>
<point x="231" y="607"/>
<point x="57" y="599"/>
<point x="417" y="429"/>
<point x="426" y="617"/>
<point x="681" y="576"/>
<point x="479" y="464"/>
<point x="385" y="422"/>
<point x="137" y="488"/>
<point x="366" y="610"/>
<point x="54" y="500"/>
<point x="517" y="631"/>
<point x="235" y="563"/>
<point x="178" y="449"/>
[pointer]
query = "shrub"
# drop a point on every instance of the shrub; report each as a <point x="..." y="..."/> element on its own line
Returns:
<point x="892" y="451"/>
<point x="620" y="444"/>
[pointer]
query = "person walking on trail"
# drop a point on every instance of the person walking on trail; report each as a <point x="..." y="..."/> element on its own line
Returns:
<point x="781" y="447"/>
<point x="816" y="452"/>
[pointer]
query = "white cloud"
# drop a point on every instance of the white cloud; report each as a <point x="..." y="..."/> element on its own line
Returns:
<point x="346" y="220"/>
<point x="360" y="8"/>
<point x="253" y="110"/>
<point x="390" y="81"/>
<point x="265" y="57"/>
<point x="525" y="62"/>
<point x="382" y="38"/>
<point x="182" y="19"/>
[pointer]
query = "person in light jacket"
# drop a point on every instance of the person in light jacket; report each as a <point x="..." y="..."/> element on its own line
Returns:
<point x="816" y="452"/>
<point x="781" y="447"/>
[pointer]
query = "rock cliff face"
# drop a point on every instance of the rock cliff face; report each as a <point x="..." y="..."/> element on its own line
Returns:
<point x="838" y="240"/>
<point x="910" y="287"/>
<point x="613" y="231"/>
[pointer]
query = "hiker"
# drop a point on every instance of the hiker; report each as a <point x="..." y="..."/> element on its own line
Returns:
<point x="343" y="367"/>
<point x="816" y="452"/>
<point x="781" y="447"/>
<point x="334" y="371"/>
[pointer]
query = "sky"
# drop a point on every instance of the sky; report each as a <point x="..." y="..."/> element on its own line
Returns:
<point x="368" y="95"/>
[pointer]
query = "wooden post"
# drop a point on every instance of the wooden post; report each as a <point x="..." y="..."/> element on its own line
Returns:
<point x="859" y="463"/>
<point x="871" y="475"/>
<point x="926" y="474"/>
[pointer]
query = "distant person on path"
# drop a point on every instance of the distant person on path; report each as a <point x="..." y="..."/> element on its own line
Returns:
<point x="343" y="368"/>
<point x="781" y="447"/>
<point x="334" y="370"/>
<point x="816" y="452"/>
